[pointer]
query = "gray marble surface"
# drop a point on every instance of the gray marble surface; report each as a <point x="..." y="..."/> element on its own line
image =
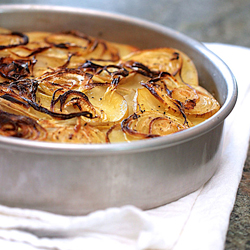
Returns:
<point x="223" y="21"/>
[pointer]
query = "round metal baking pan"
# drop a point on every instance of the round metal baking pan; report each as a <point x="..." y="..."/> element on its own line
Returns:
<point x="81" y="178"/>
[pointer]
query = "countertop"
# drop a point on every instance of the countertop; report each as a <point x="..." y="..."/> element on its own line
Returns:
<point x="206" y="21"/>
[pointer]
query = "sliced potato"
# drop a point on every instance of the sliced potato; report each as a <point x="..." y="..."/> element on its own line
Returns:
<point x="145" y="101"/>
<point x="10" y="39"/>
<point x="162" y="59"/>
<point x="124" y="49"/>
<point x="205" y="107"/>
<point x="109" y="102"/>
<point x="151" y="124"/>
<point x="73" y="134"/>
<point x="188" y="73"/>
<point x="168" y="60"/>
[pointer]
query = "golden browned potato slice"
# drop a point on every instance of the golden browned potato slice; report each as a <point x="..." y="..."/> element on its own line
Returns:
<point x="38" y="37"/>
<point x="151" y="124"/>
<point x="84" y="133"/>
<point x="111" y="105"/>
<point x="9" y="39"/>
<point x="163" y="59"/>
<point x="124" y="49"/>
<point x="205" y="107"/>
<point x="168" y="60"/>
<point x="145" y="101"/>
<point x="188" y="73"/>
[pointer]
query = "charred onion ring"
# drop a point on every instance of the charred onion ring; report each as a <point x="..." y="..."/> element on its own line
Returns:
<point x="21" y="127"/>
<point x="23" y="40"/>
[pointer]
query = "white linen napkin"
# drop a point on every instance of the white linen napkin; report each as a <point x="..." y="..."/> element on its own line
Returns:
<point x="197" y="221"/>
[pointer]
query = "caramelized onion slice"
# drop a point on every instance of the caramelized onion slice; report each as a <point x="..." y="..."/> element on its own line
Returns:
<point x="160" y="60"/>
<point x="161" y="94"/>
<point x="21" y="127"/>
<point x="69" y="79"/>
<point x="71" y="102"/>
<point x="68" y="39"/>
<point x="165" y="126"/>
<point x="15" y="108"/>
<point x="84" y="46"/>
<point x="12" y="39"/>
<point x="103" y="51"/>
<point x="24" y="88"/>
<point x="187" y="96"/>
<point x="15" y="69"/>
<point x="74" y="133"/>
<point x="149" y="124"/>
<point x="176" y="97"/>
<point x="104" y="74"/>
<point x="205" y="107"/>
